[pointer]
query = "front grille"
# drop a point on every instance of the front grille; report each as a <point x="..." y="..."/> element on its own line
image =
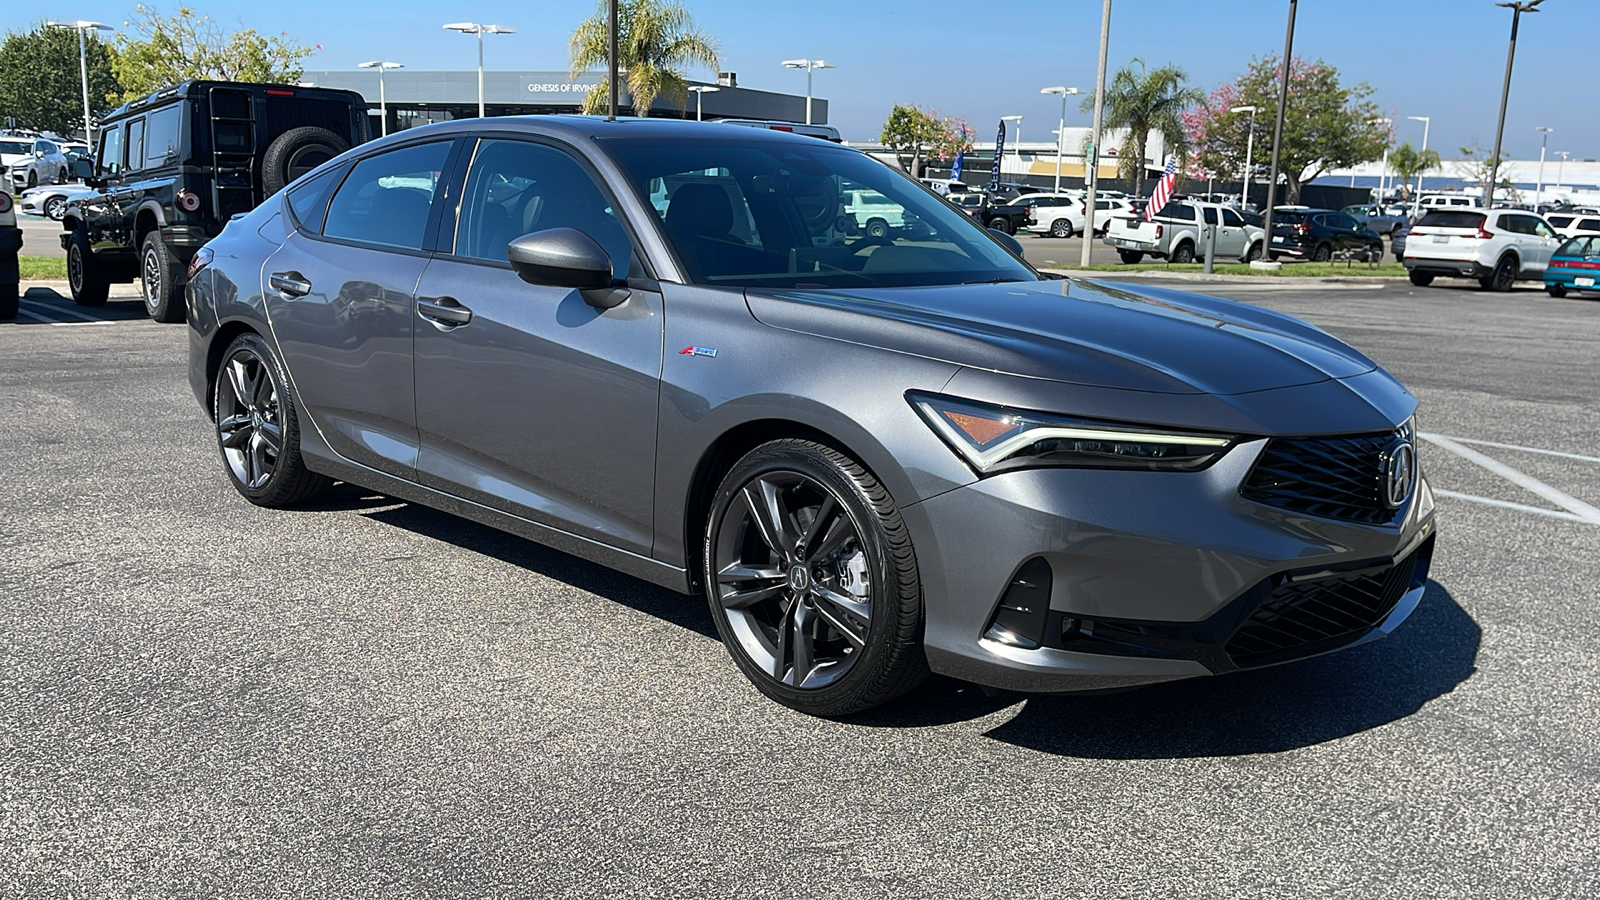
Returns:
<point x="1334" y="478"/>
<point x="1328" y="611"/>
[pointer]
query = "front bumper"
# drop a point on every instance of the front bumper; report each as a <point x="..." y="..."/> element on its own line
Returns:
<point x="1152" y="576"/>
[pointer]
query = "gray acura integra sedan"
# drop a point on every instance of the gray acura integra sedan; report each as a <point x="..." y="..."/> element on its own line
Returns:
<point x="666" y="347"/>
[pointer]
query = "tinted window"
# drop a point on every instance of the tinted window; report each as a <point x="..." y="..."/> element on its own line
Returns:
<point x="1229" y="217"/>
<point x="1211" y="215"/>
<point x="1287" y="218"/>
<point x="1443" y="219"/>
<point x="1589" y="225"/>
<point x="309" y="199"/>
<point x="1578" y="246"/>
<point x="1561" y="221"/>
<point x="161" y="136"/>
<point x="1177" y="211"/>
<point x="110" y="158"/>
<point x="387" y="197"/>
<point x="135" y="145"/>
<point x="1343" y="222"/>
<point x="1517" y="224"/>
<point x="13" y="147"/>
<point x="516" y="188"/>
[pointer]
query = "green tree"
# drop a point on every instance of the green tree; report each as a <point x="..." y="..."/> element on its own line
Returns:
<point x="911" y="131"/>
<point x="656" y="42"/>
<point x="41" y="83"/>
<point x="1408" y="162"/>
<point x="1142" y="102"/>
<point x="1326" y="125"/>
<point x="177" y="48"/>
<point x="1474" y="166"/>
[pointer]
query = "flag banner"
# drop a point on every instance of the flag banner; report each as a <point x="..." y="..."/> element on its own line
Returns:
<point x="1163" y="191"/>
<point x="955" y="170"/>
<point x="999" y="150"/>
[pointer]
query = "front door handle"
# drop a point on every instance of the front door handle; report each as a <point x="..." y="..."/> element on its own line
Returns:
<point x="290" y="284"/>
<point x="443" y="311"/>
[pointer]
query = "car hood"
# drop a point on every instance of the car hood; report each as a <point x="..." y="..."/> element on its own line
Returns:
<point x="1076" y="331"/>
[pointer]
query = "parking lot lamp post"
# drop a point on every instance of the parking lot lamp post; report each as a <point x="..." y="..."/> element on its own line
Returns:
<point x="1426" y="121"/>
<point x="1383" y="173"/>
<point x="1561" y="166"/>
<point x="1061" y="134"/>
<point x="1277" y="127"/>
<point x="1249" y="153"/>
<point x="808" y="65"/>
<point x="83" y="68"/>
<point x="1016" y="144"/>
<point x="383" y="100"/>
<point x="1517" y="7"/>
<point x="700" y="90"/>
<point x="1538" y="190"/>
<point x="480" y="31"/>
<point x="1091" y="159"/>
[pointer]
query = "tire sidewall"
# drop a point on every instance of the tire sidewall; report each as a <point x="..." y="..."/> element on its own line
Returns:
<point x="288" y="421"/>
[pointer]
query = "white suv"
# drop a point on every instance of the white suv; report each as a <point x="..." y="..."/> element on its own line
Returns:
<point x="1495" y="246"/>
<point x="30" y="162"/>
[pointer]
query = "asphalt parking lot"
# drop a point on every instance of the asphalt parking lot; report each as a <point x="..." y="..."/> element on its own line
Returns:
<point x="371" y="699"/>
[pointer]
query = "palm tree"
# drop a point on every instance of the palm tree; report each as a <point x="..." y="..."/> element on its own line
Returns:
<point x="1408" y="162"/>
<point x="1142" y="102"/>
<point x="656" y="40"/>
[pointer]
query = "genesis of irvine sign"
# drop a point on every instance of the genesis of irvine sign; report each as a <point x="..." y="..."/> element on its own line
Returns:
<point x="541" y="87"/>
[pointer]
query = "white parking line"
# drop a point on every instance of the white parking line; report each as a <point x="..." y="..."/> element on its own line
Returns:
<point x="37" y="318"/>
<point x="1462" y="440"/>
<point x="64" y="311"/>
<point x="1504" y="504"/>
<point x="1580" y="510"/>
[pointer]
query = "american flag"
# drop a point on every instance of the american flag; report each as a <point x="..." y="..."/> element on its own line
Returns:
<point x="1163" y="191"/>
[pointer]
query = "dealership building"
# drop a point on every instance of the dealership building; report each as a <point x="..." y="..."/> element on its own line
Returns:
<point x="418" y="98"/>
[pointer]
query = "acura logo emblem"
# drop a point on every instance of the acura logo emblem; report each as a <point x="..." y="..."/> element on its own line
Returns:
<point x="1399" y="471"/>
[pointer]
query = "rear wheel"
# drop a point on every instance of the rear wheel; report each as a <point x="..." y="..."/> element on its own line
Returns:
<point x="1503" y="276"/>
<point x="55" y="208"/>
<point x="1421" y="279"/>
<point x="1323" y="253"/>
<point x="163" y="279"/>
<point x="1001" y="223"/>
<point x="258" y="429"/>
<point x="877" y="228"/>
<point x="1130" y="256"/>
<point x="812" y="581"/>
<point x="1555" y="290"/>
<point x="1061" y="228"/>
<point x="88" y="281"/>
<point x="1184" y="253"/>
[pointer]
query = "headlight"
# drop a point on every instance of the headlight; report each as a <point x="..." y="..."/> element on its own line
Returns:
<point x="995" y="439"/>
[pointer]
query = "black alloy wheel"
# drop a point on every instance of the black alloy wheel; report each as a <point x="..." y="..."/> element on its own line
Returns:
<point x="812" y="582"/>
<point x="1001" y="223"/>
<point x="258" y="429"/>
<point x="1503" y="276"/>
<point x="1323" y="253"/>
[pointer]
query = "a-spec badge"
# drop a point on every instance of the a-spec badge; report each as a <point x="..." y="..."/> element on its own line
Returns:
<point x="698" y="351"/>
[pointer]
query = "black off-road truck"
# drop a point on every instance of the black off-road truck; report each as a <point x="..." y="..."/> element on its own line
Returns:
<point x="171" y="168"/>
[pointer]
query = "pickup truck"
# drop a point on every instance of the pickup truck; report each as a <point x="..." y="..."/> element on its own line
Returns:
<point x="1176" y="234"/>
<point x="1001" y="217"/>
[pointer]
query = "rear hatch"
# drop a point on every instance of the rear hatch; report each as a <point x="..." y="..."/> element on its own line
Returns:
<point x="1448" y="234"/>
<point x="1289" y="227"/>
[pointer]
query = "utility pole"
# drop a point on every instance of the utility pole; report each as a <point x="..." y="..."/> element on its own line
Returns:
<point x="1517" y="7"/>
<point x="1091" y="159"/>
<point x="1277" y="137"/>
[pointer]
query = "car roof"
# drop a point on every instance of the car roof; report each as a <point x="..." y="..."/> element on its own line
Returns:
<point x="578" y="127"/>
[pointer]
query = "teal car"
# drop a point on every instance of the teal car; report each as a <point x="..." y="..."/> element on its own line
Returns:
<point x="1573" y="267"/>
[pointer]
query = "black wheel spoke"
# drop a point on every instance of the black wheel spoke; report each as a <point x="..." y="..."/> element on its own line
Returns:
<point x="766" y="513"/>
<point x="743" y="587"/>
<point x="239" y="379"/>
<point x="801" y="651"/>
<point x="271" y="437"/>
<point x="826" y="515"/>
<point x="843" y="613"/>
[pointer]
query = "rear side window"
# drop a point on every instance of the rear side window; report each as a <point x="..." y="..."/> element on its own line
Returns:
<point x="1517" y="224"/>
<point x="387" y="198"/>
<point x="1177" y="211"/>
<point x="135" y="145"/>
<point x="1211" y="215"/>
<point x="1288" y="218"/>
<point x="1439" y="218"/>
<point x="309" y="199"/>
<point x="1589" y="225"/>
<point x="1561" y="221"/>
<point x="161" y="136"/>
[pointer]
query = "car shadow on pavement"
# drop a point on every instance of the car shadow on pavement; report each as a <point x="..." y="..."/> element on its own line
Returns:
<point x="688" y="613"/>
<point x="1264" y="711"/>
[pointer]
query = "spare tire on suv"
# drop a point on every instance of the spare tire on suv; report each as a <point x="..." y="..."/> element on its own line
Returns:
<point x="296" y="152"/>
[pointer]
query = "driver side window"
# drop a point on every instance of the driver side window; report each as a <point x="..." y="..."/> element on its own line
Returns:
<point x="110" y="158"/>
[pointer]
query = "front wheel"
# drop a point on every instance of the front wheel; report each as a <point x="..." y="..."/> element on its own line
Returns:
<point x="1130" y="256"/>
<point x="55" y="209"/>
<point x="33" y="179"/>
<point x="1061" y="228"/>
<point x="1253" y="254"/>
<point x="88" y="281"/>
<point x="812" y="581"/>
<point x="258" y="428"/>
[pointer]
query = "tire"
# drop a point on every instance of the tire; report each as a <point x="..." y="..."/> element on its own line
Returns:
<point x="55" y="208"/>
<point x="9" y="301"/>
<point x="1555" y="290"/>
<point x="877" y="228"/>
<point x="1061" y="228"/>
<point x="162" y="277"/>
<point x="1420" y="279"/>
<point x="249" y="400"/>
<point x="1253" y="254"/>
<point x="1503" y="277"/>
<point x="1001" y="223"/>
<point x="85" y="277"/>
<point x="857" y="613"/>
<point x="1183" y="253"/>
<point x="1130" y="256"/>
<point x="1323" y="253"/>
<point x="296" y="152"/>
<point x="33" y="178"/>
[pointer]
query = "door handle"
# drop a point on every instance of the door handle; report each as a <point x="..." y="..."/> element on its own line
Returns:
<point x="290" y="284"/>
<point x="443" y="311"/>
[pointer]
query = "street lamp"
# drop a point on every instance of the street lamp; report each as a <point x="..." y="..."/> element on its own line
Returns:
<point x="1517" y="7"/>
<point x="1538" y="190"/>
<point x="1061" y="133"/>
<point x="81" y="26"/>
<point x="383" y="100"/>
<point x="808" y="65"/>
<point x="1277" y="130"/>
<point x="1426" y="121"/>
<point x="1383" y="172"/>
<point x="1561" y="166"/>
<point x="1017" y="144"/>
<point x="1249" y="151"/>
<point x="700" y="90"/>
<point x="480" y="31"/>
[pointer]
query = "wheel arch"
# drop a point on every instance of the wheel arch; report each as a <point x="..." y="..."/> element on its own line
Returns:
<point x="149" y="218"/>
<point x="225" y="335"/>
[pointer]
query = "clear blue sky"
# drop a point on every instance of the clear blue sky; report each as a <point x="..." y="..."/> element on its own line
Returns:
<point x="1440" y="58"/>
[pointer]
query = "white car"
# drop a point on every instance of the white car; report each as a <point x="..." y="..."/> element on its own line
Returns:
<point x="50" y="200"/>
<point x="1495" y="246"/>
<point x="1570" y="224"/>
<point x="874" y="213"/>
<point x="33" y="161"/>
<point x="1066" y="219"/>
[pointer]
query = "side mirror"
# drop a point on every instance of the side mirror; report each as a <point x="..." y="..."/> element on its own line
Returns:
<point x="1007" y="241"/>
<point x="566" y="257"/>
<point x="82" y="168"/>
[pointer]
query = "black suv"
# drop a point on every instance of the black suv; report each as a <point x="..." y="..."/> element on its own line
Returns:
<point x="1318" y="234"/>
<point x="174" y="166"/>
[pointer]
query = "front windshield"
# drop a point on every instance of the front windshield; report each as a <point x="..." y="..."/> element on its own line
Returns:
<point x="766" y="213"/>
<point x="14" y="147"/>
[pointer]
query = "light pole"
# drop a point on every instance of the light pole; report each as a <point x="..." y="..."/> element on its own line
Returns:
<point x="1061" y="133"/>
<point x="808" y="65"/>
<point x="700" y="90"/>
<point x="1426" y="121"/>
<point x="1091" y="159"/>
<point x="1249" y="153"/>
<point x="1383" y="172"/>
<point x="1561" y="166"/>
<point x="81" y="26"/>
<point x="1517" y="7"/>
<point x="480" y="31"/>
<point x="1277" y="132"/>
<point x="1017" y="144"/>
<point x="1538" y="190"/>
<point x="383" y="100"/>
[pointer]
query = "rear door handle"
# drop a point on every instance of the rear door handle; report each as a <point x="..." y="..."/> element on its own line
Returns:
<point x="443" y="311"/>
<point x="290" y="284"/>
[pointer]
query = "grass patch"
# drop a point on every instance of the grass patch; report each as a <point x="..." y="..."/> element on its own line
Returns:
<point x="42" y="268"/>
<point x="1298" y="270"/>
